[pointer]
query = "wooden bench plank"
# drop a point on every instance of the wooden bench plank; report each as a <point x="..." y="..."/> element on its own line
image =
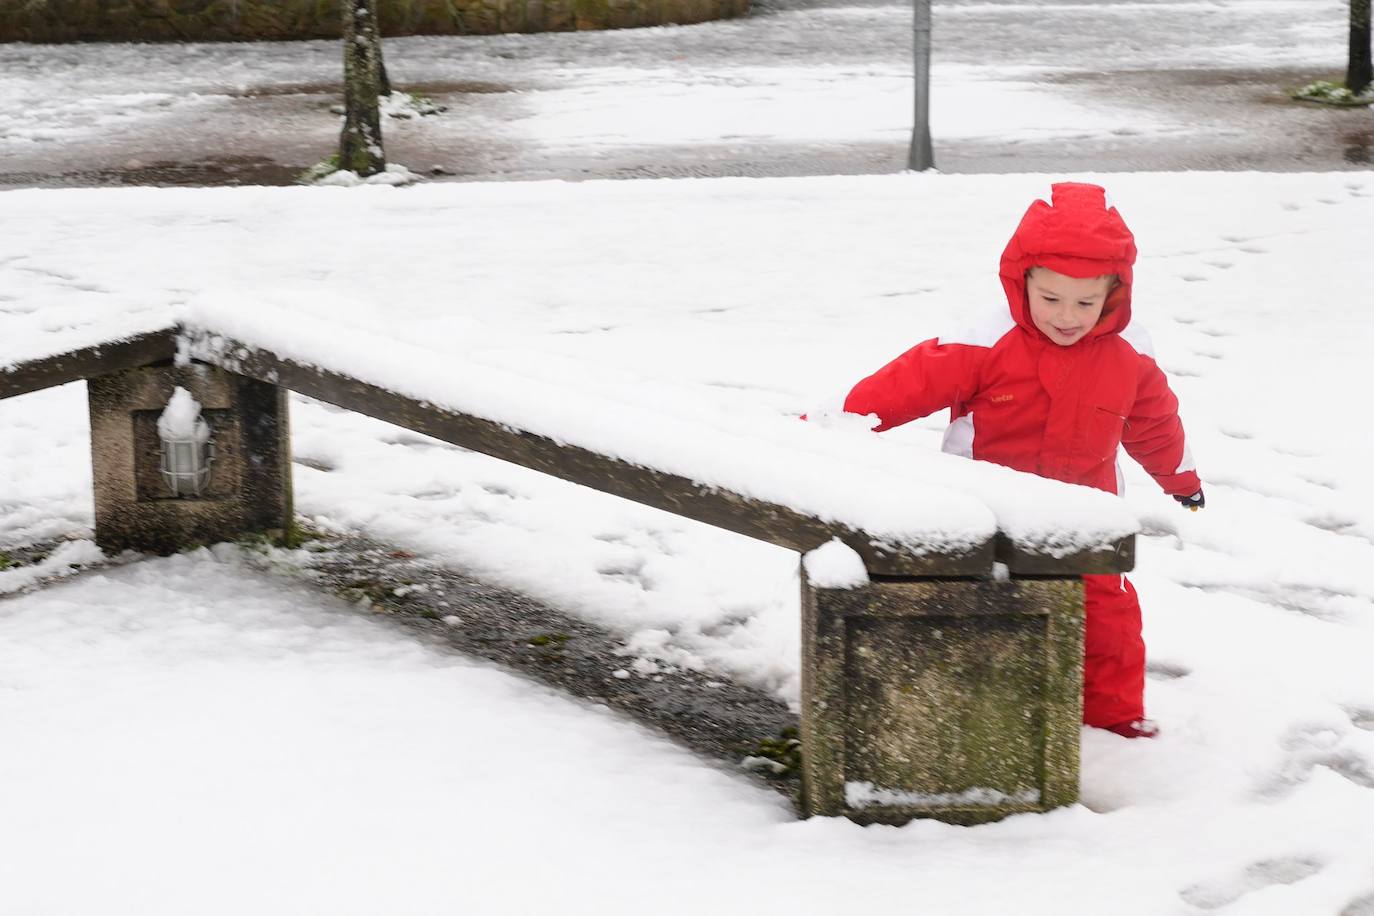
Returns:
<point x="670" y="492"/>
<point x="1114" y="560"/>
<point x="88" y="362"/>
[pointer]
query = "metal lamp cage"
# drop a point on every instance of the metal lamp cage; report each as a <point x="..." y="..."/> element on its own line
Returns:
<point x="186" y="465"/>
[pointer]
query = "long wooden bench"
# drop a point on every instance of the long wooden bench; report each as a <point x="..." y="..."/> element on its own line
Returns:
<point x="947" y="684"/>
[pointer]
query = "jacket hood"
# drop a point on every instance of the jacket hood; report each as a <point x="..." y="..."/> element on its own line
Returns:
<point x="1076" y="234"/>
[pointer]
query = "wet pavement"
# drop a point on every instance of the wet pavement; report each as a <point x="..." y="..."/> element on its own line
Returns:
<point x="802" y="87"/>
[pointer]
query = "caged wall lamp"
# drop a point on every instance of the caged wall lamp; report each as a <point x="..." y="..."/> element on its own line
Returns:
<point x="188" y="450"/>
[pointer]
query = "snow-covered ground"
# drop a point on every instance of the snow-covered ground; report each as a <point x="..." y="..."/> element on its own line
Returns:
<point x="645" y="294"/>
<point x="186" y="735"/>
<point x="124" y="754"/>
<point x="800" y="85"/>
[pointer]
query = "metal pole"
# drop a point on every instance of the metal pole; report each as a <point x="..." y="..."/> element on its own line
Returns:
<point x="922" y="157"/>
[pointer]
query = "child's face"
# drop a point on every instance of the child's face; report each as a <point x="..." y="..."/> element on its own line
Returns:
<point x="1066" y="308"/>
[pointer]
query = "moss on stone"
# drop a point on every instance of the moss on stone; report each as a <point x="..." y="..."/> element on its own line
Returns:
<point x="591" y="14"/>
<point x="6" y="561"/>
<point x="323" y="168"/>
<point x="784" y="750"/>
<point x="295" y="536"/>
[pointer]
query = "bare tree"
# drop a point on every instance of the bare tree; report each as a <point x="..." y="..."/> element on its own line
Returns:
<point x="360" y="143"/>
<point x="1361" y="71"/>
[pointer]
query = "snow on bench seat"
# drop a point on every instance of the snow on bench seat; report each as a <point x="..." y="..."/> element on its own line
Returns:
<point x="905" y="509"/>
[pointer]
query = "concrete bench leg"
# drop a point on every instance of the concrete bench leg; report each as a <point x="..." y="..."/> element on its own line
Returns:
<point x="956" y="699"/>
<point x="250" y="487"/>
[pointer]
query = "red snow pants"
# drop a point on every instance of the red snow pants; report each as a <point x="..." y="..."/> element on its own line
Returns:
<point x="1113" y="653"/>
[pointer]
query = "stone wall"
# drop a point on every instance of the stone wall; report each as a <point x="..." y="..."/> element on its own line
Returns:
<point x="254" y="20"/>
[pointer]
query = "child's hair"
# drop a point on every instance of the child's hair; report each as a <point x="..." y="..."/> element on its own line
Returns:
<point x="1116" y="280"/>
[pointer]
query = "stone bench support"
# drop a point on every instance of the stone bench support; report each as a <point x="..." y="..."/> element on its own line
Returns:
<point x="250" y="484"/>
<point x="957" y="699"/>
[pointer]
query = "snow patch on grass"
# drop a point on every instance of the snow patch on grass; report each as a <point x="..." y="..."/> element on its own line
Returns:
<point x="66" y="560"/>
<point x="395" y="176"/>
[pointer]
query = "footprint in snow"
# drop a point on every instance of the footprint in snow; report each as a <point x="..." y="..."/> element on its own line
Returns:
<point x="46" y="272"/>
<point x="1339" y="526"/>
<point x="598" y="329"/>
<point x="1298" y="451"/>
<point x="1331" y="521"/>
<point x="631" y="573"/>
<point x="1220" y="265"/>
<point x="1215" y="894"/>
<point x="1313" y="601"/>
<point x="1361" y="717"/>
<point x="1153" y="526"/>
<point x="434" y="495"/>
<point x="316" y="464"/>
<point x="418" y="441"/>
<point x="1192" y="278"/>
<point x="1317" y="745"/>
<point x="1362" y="906"/>
<point x="1253" y="249"/>
<point x="747" y="386"/>
<point x="85" y="287"/>
<point x="659" y="537"/>
<point x="1166" y="671"/>
<point x="1324" y="604"/>
<point x="728" y="624"/>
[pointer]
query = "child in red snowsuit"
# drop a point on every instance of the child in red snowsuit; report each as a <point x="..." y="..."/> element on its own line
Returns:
<point x="1054" y="387"/>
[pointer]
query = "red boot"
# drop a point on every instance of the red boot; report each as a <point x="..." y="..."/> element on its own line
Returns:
<point x="1136" y="728"/>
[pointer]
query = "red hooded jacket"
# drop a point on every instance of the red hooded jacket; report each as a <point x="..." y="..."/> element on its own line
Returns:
<point x="1018" y="399"/>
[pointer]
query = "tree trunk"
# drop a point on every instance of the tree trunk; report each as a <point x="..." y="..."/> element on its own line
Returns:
<point x="374" y="34"/>
<point x="921" y="156"/>
<point x="1361" y="72"/>
<point x="360" y="143"/>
